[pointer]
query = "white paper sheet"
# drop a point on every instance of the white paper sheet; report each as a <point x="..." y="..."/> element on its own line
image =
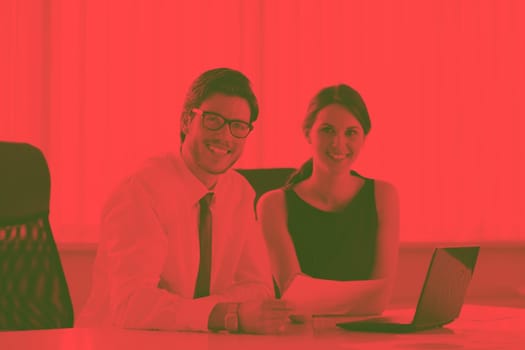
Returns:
<point x="316" y="296"/>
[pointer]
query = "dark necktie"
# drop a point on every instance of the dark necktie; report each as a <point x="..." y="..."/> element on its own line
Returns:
<point x="202" y="287"/>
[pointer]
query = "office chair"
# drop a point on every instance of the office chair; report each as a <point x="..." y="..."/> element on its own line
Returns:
<point x="33" y="289"/>
<point x="264" y="180"/>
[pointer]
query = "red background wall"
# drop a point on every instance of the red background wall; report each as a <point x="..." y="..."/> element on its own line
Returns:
<point x="98" y="85"/>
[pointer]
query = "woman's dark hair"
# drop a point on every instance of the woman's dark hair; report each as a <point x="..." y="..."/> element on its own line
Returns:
<point x="342" y="95"/>
<point x="219" y="80"/>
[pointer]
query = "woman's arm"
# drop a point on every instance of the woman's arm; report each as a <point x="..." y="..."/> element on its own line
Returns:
<point x="272" y="214"/>
<point x="387" y="205"/>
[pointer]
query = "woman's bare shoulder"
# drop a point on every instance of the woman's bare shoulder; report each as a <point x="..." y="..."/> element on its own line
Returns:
<point x="271" y="200"/>
<point x="384" y="189"/>
<point x="386" y="195"/>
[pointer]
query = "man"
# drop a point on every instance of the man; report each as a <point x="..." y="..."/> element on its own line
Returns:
<point x="180" y="248"/>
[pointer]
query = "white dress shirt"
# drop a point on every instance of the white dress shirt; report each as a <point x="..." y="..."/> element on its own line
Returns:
<point x="148" y="256"/>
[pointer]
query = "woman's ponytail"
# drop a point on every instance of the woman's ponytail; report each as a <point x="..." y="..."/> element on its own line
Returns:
<point x="301" y="174"/>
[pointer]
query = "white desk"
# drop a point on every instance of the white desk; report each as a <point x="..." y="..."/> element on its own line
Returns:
<point x="479" y="327"/>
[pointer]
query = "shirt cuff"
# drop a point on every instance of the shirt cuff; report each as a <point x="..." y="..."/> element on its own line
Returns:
<point x="196" y="313"/>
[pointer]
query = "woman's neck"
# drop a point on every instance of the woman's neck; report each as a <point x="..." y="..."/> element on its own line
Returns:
<point x="330" y="184"/>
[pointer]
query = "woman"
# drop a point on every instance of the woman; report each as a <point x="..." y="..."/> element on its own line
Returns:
<point x="329" y="222"/>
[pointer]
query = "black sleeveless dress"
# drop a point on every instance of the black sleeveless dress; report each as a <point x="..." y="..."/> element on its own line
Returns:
<point x="335" y="245"/>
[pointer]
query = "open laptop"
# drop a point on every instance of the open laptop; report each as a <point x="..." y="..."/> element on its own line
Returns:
<point x="441" y="298"/>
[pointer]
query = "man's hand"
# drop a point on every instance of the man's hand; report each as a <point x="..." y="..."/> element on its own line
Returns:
<point x="269" y="316"/>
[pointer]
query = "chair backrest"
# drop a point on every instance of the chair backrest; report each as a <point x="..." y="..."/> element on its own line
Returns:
<point x="264" y="180"/>
<point x="33" y="289"/>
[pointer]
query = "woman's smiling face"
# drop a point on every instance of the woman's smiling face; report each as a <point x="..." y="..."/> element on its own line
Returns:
<point x="336" y="137"/>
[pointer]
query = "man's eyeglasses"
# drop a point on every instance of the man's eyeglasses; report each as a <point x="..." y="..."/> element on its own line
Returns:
<point x="213" y="121"/>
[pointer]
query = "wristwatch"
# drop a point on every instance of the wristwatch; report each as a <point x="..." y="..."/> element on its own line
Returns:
<point x="231" y="319"/>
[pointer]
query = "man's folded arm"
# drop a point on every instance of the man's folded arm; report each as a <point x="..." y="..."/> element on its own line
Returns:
<point x="136" y="246"/>
<point x="253" y="277"/>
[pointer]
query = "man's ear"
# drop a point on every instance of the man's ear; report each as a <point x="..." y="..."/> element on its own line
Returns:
<point x="186" y="122"/>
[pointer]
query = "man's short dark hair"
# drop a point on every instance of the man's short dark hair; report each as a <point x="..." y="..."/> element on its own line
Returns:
<point x="220" y="80"/>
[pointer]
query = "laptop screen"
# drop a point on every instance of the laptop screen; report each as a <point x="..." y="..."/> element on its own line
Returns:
<point x="446" y="285"/>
